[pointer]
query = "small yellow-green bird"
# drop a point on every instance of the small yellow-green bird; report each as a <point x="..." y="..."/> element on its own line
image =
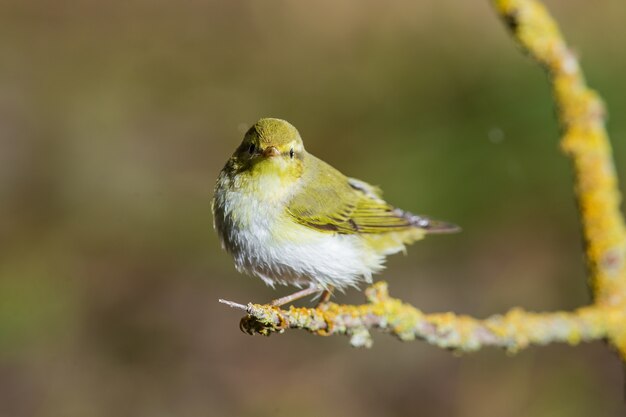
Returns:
<point x="290" y="218"/>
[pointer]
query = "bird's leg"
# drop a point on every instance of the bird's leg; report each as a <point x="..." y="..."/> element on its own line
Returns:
<point x="296" y="295"/>
<point x="326" y="294"/>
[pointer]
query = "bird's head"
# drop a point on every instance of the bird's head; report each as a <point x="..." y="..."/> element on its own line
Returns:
<point x="272" y="147"/>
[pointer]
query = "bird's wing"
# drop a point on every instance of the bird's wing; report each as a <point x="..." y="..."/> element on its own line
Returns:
<point x="371" y="190"/>
<point x="331" y="202"/>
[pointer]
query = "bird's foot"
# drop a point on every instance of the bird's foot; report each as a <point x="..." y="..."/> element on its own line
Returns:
<point x="313" y="289"/>
<point x="325" y="296"/>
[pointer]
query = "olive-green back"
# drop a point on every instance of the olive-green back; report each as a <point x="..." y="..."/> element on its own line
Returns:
<point x="331" y="202"/>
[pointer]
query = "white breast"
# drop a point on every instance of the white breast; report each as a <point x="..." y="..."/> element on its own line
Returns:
<point x="266" y="242"/>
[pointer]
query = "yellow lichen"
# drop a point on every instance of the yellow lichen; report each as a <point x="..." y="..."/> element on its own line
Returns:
<point x="585" y="140"/>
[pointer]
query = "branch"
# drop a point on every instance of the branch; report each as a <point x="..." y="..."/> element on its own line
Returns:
<point x="585" y="141"/>
<point x="514" y="331"/>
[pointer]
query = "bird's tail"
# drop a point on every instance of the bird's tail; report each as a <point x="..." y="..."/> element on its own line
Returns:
<point x="428" y="225"/>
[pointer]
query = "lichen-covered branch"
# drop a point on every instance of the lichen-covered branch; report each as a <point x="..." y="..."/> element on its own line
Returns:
<point x="585" y="141"/>
<point x="512" y="331"/>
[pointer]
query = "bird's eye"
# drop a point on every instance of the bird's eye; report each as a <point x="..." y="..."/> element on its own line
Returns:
<point x="291" y="153"/>
<point x="252" y="148"/>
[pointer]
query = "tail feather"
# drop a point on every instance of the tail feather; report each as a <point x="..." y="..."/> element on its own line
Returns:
<point x="429" y="225"/>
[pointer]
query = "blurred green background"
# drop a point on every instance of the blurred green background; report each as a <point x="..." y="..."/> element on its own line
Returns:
<point x="115" y="119"/>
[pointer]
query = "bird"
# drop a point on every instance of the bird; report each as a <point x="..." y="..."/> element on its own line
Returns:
<point x="290" y="218"/>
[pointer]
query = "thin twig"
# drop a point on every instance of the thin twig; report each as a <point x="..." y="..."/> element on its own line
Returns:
<point x="234" y="304"/>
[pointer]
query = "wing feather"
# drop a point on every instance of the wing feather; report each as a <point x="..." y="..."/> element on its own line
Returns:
<point x="331" y="202"/>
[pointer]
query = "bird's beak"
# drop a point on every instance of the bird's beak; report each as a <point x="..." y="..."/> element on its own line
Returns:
<point x="271" y="151"/>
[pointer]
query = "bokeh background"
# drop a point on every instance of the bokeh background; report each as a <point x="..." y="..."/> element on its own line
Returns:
<point x="115" y="119"/>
